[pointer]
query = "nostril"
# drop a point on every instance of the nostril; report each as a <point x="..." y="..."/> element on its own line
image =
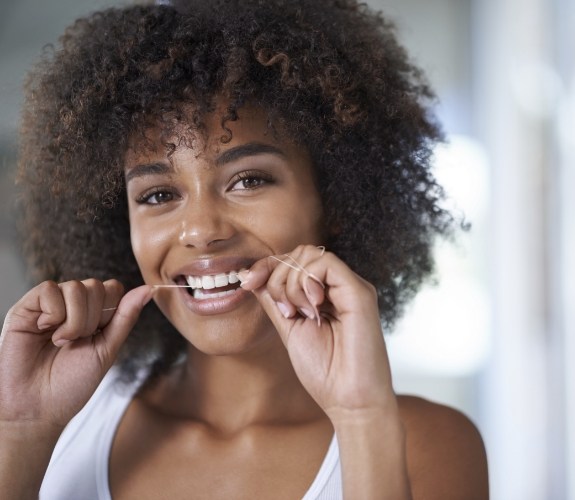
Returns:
<point x="207" y="229"/>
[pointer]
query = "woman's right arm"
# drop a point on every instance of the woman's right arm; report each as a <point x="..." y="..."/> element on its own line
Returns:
<point x="57" y="344"/>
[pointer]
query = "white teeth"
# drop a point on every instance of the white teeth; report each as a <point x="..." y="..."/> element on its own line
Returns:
<point x="215" y="281"/>
<point x="233" y="278"/>
<point x="208" y="282"/>
<point x="221" y="280"/>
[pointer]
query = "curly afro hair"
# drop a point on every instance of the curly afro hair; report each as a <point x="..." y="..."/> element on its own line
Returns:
<point x="330" y="72"/>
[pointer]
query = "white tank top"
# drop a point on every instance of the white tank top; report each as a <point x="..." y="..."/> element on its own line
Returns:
<point x="78" y="469"/>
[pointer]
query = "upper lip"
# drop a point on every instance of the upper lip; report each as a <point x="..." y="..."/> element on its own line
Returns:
<point x="215" y="265"/>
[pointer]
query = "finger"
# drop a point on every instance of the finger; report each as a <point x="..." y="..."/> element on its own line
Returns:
<point x="331" y="281"/>
<point x="276" y="286"/>
<point x="95" y="292"/>
<point x="90" y="305"/>
<point x="276" y="314"/>
<point x="313" y="290"/>
<point x="39" y="310"/>
<point x="76" y="323"/>
<point x="295" y="290"/>
<point x="270" y="272"/>
<point x="260" y="271"/>
<point x="108" y="343"/>
<point x="51" y="305"/>
<point x="113" y="292"/>
<point x="283" y="276"/>
<point x="257" y="275"/>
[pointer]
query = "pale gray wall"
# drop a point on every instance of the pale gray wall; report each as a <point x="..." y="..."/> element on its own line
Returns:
<point x="25" y="27"/>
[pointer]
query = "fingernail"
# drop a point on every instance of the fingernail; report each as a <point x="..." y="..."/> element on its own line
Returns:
<point x="244" y="276"/>
<point x="307" y="313"/>
<point x="61" y="342"/>
<point x="314" y="297"/>
<point x="316" y="279"/>
<point x="285" y="310"/>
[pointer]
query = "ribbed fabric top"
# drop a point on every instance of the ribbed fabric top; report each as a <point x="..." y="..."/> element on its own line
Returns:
<point x="78" y="469"/>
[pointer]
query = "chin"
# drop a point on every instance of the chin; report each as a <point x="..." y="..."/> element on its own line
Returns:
<point x="230" y="336"/>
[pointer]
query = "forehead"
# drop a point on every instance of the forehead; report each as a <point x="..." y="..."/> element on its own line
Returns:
<point x="208" y="134"/>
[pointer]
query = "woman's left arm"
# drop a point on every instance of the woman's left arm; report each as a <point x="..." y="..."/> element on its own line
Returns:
<point x="327" y="317"/>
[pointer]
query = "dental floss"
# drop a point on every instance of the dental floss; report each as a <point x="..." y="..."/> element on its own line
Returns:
<point x="300" y="267"/>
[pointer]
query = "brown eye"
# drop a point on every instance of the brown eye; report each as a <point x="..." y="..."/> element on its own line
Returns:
<point x="160" y="197"/>
<point x="250" y="180"/>
<point x="156" y="197"/>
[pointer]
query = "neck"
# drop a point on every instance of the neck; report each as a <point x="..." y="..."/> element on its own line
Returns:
<point x="232" y="393"/>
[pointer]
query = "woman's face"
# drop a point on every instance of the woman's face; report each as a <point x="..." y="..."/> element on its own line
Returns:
<point x="207" y="211"/>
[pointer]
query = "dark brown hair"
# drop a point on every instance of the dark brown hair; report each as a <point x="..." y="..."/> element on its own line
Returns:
<point x="329" y="71"/>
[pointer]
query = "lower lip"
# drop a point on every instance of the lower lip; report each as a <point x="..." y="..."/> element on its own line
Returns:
<point x="217" y="305"/>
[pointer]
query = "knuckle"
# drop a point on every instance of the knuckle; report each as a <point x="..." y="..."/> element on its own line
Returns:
<point x="73" y="286"/>
<point x="307" y="248"/>
<point x="370" y="290"/>
<point x="47" y="286"/>
<point x="9" y="318"/>
<point x="48" y="293"/>
<point x="96" y="289"/>
<point x="276" y="290"/>
<point x="114" y="286"/>
<point x="330" y="256"/>
<point x="93" y="283"/>
<point x="299" y="250"/>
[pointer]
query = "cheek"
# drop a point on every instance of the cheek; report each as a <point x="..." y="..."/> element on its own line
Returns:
<point x="292" y="222"/>
<point x="316" y="217"/>
<point x="307" y="213"/>
<point x="149" y="242"/>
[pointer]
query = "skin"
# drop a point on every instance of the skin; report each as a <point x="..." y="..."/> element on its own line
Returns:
<point x="269" y="376"/>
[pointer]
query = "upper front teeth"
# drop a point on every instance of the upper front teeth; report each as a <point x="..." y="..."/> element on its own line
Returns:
<point x="215" y="281"/>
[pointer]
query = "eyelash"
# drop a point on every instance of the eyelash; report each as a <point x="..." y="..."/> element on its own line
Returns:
<point x="251" y="175"/>
<point x="261" y="178"/>
<point x="144" y="199"/>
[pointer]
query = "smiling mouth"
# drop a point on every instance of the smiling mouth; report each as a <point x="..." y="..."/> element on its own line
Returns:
<point x="211" y="286"/>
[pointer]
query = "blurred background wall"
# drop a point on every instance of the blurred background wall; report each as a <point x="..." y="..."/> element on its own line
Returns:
<point x="496" y="337"/>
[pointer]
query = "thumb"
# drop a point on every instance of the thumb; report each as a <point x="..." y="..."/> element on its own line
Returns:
<point x="117" y="330"/>
<point x="281" y="319"/>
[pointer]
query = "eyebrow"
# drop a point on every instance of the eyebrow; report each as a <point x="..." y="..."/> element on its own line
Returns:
<point x="148" y="169"/>
<point x="249" y="149"/>
<point x="228" y="156"/>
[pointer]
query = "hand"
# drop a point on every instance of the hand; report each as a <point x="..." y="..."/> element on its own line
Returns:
<point x="327" y="316"/>
<point x="57" y="344"/>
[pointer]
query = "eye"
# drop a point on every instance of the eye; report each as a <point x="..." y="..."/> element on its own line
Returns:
<point x="250" y="180"/>
<point x="157" y="196"/>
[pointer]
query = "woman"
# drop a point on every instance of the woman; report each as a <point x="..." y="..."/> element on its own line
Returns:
<point x="206" y="156"/>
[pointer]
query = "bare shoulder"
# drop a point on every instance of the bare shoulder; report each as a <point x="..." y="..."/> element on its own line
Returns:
<point x="445" y="452"/>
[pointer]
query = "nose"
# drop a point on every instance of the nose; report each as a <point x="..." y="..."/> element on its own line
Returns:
<point x="204" y="224"/>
